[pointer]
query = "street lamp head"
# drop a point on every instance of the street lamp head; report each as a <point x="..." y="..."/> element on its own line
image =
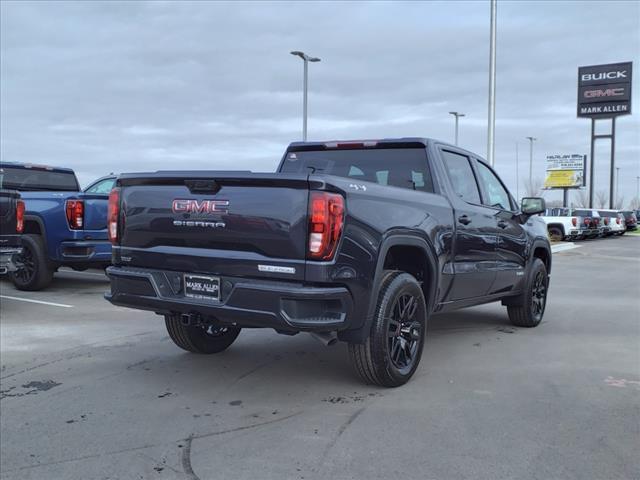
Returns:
<point x="531" y="139"/>
<point x="304" y="56"/>
<point x="457" y="114"/>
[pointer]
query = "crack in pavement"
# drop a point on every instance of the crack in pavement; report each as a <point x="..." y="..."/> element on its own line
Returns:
<point x="335" y="439"/>
<point x="186" y="459"/>
<point x="150" y="445"/>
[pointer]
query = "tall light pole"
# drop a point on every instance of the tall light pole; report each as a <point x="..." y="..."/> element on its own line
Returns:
<point x="617" y="184"/>
<point x="306" y="58"/>
<point x="457" y="115"/>
<point x="531" y="140"/>
<point x="491" y="144"/>
<point x="517" y="176"/>
<point x="638" y="188"/>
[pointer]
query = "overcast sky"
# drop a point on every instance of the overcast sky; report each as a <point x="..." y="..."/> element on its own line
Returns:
<point x="113" y="87"/>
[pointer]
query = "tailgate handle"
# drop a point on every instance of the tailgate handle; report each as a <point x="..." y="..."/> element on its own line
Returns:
<point x="202" y="186"/>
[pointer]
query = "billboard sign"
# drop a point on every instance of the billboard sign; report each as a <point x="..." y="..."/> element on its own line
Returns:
<point x="604" y="90"/>
<point x="566" y="171"/>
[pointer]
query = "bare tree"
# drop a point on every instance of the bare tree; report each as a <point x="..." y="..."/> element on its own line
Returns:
<point x="601" y="199"/>
<point x="619" y="203"/>
<point x="581" y="198"/>
<point x="554" y="203"/>
<point x="634" y="204"/>
<point x="533" y="188"/>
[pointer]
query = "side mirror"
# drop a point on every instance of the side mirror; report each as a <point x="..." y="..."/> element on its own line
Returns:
<point x="532" y="205"/>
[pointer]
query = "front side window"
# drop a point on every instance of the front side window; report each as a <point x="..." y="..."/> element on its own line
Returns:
<point x="461" y="176"/>
<point x="102" y="187"/>
<point x="498" y="197"/>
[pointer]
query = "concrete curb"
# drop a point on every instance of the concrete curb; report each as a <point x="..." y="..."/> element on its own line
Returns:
<point x="564" y="246"/>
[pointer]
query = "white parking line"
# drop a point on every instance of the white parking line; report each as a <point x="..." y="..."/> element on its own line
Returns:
<point x="36" y="301"/>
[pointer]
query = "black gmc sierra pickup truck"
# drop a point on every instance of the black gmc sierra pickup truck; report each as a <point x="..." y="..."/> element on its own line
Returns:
<point x="359" y="241"/>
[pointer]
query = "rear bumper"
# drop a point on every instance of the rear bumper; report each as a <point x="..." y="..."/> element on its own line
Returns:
<point x="92" y="251"/>
<point x="7" y="258"/>
<point x="284" y="306"/>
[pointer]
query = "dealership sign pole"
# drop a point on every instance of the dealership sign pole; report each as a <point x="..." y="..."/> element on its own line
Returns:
<point x="604" y="92"/>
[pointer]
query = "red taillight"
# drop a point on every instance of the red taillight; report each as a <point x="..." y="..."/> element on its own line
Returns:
<point x="574" y="221"/>
<point x="19" y="216"/>
<point x="618" y="220"/>
<point x="587" y="221"/>
<point x="112" y="214"/>
<point x="75" y="214"/>
<point x="326" y="218"/>
<point x="606" y="220"/>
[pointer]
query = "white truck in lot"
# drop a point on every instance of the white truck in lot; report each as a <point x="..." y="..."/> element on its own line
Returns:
<point x="562" y="225"/>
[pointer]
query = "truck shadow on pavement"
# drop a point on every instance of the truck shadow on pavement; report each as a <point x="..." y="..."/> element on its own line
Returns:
<point x="287" y="366"/>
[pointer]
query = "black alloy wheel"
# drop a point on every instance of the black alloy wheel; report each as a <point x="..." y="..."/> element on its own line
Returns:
<point x="26" y="266"/>
<point x="34" y="269"/>
<point x="405" y="333"/>
<point x="538" y="295"/>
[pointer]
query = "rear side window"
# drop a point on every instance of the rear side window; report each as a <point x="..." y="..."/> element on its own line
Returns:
<point x="604" y="213"/>
<point x="461" y="176"/>
<point x="497" y="195"/>
<point x="398" y="167"/>
<point x="37" y="179"/>
<point x="583" y="213"/>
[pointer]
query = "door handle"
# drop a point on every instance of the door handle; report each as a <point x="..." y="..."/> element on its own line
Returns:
<point x="502" y="224"/>
<point x="464" y="219"/>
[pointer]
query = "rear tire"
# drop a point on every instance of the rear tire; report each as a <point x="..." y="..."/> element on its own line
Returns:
<point x="530" y="309"/>
<point x="35" y="272"/>
<point x="200" y="339"/>
<point x="391" y="353"/>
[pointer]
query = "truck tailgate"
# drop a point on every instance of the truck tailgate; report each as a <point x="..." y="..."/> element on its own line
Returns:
<point x="240" y="224"/>
<point x="95" y="211"/>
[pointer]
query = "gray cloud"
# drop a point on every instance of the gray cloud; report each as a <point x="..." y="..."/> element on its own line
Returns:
<point x="121" y="86"/>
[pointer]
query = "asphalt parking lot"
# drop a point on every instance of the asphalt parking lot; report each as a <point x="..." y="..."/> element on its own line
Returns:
<point x="90" y="391"/>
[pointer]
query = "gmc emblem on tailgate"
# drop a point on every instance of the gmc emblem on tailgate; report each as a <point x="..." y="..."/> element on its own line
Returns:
<point x="180" y="205"/>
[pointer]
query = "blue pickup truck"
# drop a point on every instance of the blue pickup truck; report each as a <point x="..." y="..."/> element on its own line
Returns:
<point x="63" y="226"/>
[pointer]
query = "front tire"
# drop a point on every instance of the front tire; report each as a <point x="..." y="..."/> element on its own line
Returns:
<point x="206" y="339"/>
<point x="530" y="310"/>
<point x="34" y="272"/>
<point x="391" y="353"/>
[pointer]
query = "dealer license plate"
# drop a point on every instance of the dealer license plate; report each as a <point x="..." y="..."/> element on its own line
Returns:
<point x="198" y="286"/>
